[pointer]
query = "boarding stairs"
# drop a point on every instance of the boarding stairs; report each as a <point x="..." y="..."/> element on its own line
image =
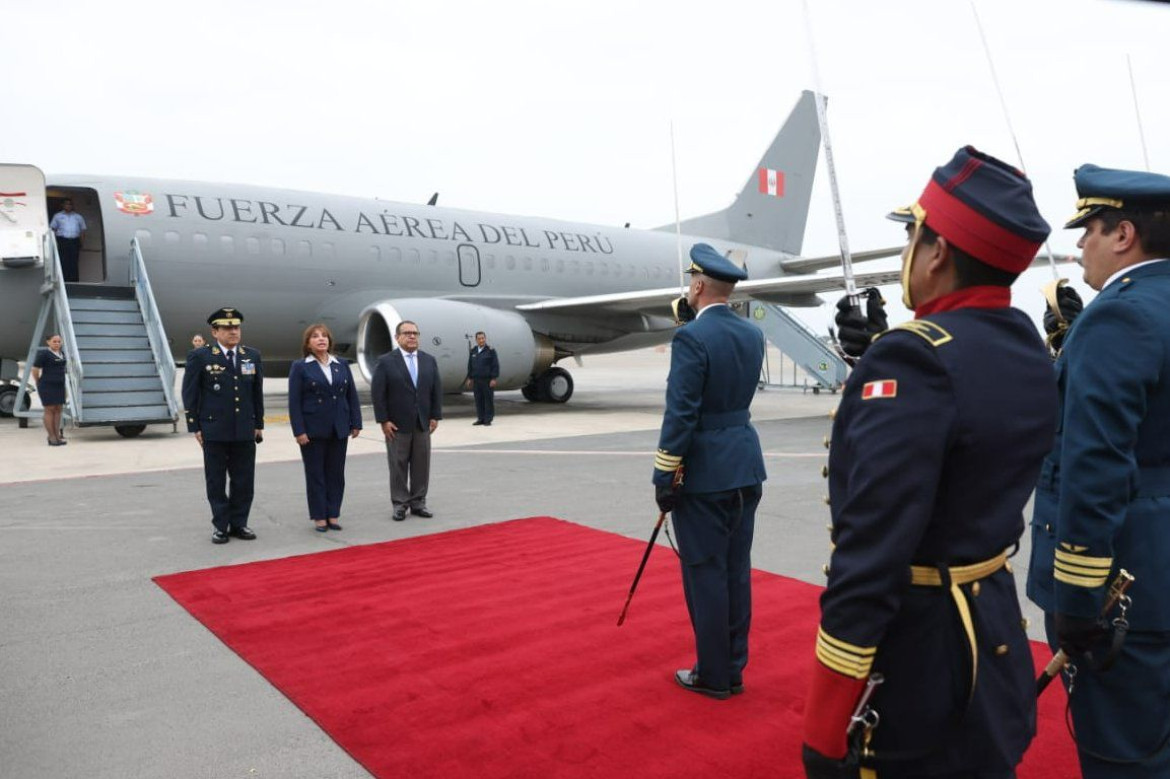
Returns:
<point x="792" y="337"/>
<point x="120" y="371"/>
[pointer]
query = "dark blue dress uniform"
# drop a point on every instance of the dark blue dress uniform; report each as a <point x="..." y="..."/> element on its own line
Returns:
<point x="934" y="453"/>
<point x="1103" y="501"/>
<point x="714" y="370"/>
<point x="483" y="365"/>
<point x="51" y="384"/>
<point x="325" y="411"/>
<point x="226" y="405"/>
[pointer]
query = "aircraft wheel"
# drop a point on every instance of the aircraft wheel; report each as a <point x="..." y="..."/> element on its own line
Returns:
<point x="8" y="401"/>
<point x="129" y="431"/>
<point x="555" y="385"/>
<point x="529" y="391"/>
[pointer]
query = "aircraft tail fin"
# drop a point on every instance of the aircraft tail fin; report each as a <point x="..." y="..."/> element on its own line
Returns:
<point x="772" y="208"/>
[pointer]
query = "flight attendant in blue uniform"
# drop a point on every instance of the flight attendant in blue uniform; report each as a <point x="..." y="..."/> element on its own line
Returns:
<point x="935" y="449"/>
<point x="223" y="392"/>
<point x="49" y="375"/>
<point x="715" y="366"/>
<point x="1103" y="501"/>
<point x="325" y="413"/>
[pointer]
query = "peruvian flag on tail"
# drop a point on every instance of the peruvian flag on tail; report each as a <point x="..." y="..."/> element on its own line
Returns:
<point x="772" y="182"/>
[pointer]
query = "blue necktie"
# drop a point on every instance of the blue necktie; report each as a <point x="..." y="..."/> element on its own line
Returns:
<point x="412" y="367"/>
<point x="231" y="358"/>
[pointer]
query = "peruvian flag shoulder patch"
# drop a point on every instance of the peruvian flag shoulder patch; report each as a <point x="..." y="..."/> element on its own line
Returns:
<point x="885" y="388"/>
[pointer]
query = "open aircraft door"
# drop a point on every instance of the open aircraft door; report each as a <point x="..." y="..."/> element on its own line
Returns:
<point x="24" y="218"/>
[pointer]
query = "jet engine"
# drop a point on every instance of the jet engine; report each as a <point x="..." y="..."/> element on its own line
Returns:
<point x="447" y="331"/>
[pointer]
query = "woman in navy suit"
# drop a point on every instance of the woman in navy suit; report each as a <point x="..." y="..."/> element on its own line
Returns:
<point x="324" y="411"/>
<point x="49" y="375"/>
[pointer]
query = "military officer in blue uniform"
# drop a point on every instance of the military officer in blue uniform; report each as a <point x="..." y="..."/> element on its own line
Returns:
<point x="223" y="392"/>
<point x="1103" y="500"/>
<point x="483" y="368"/>
<point x="714" y="370"/>
<point x="934" y="453"/>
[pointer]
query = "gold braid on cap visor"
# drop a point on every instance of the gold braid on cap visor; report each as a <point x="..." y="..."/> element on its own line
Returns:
<point x="908" y="261"/>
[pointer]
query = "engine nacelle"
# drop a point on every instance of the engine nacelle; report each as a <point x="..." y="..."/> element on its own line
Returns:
<point x="448" y="330"/>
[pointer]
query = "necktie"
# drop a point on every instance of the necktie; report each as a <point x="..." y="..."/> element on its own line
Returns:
<point x="412" y="367"/>
<point x="231" y="358"/>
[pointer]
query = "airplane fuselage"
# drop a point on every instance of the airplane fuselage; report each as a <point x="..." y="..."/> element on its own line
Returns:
<point x="289" y="258"/>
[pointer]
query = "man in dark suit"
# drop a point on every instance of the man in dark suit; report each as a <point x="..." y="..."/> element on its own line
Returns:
<point x="936" y="446"/>
<point x="1103" y="499"/>
<point x="223" y="392"/>
<point x="714" y="369"/>
<point x="483" y="368"/>
<point x="408" y="404"/>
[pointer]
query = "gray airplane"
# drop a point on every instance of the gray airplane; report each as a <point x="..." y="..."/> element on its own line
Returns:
<point x="543" y="289"/>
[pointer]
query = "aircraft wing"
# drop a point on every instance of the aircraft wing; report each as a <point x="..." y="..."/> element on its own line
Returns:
<point x="656" y="302"/>
<point x="813" y="264"/>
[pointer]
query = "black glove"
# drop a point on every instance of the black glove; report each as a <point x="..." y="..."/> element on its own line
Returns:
<point x="1070" y="305"/>
<point x="856" y="329"/>
<point x="683" y="312"/>
<point x="817" y="766"/>
<point x="665" y="496"/>
<point x="1077" y="635"/>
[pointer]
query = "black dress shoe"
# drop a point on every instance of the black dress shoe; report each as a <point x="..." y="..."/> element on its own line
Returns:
<point x="737" y="688"/>
<point x="477" y="422"/>
<point x="399" y="515"/>
<point x="219" y="537"/>
<point x="689" y="680"/>
<point x="487" y="424"/>
<point x="333" y="526"/>
<point x="242" y="533"/>
<point x="423" y="512"/>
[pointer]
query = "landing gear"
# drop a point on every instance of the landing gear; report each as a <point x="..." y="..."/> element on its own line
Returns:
<point x="553" y="386"/>
<point x="8" y="394"/>
<point x="129" y="431"/>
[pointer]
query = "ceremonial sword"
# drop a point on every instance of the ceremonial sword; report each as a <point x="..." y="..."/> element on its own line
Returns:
<point x="1060" y="660"/>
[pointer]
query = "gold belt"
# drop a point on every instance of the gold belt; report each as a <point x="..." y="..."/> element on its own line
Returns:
<point x="926" y="576"/>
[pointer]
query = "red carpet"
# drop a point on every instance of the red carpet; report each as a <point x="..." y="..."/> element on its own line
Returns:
<point x="493" y="652"/>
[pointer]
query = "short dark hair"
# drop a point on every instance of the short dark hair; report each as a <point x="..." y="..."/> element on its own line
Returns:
<point x="969" y="270"/>
<point x="478" y="333"/>
<point x="1152" y="226"/>
<point x="398" y="327"/>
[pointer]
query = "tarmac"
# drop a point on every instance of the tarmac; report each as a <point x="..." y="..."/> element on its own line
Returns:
<point x="103" y="675"/>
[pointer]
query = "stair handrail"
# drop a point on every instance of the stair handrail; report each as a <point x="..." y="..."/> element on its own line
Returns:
<point x="54" y="296"/>
<point x="156" y="332"/>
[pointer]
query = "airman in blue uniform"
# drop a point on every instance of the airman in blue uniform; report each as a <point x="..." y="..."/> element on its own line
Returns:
<point x="1103" y="500"/>
<point x="714" y="370"/>
<point x="934" y="453"/>
<point x="223" y="393"/>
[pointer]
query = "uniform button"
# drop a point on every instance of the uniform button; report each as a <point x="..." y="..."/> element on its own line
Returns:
<point x="1024" y="623"/>
<point x="825" y="569"/>
<point x="833" y="414"/>
<point x="826" y="500"/>
<point x="829" y="527"/>
<point x="975" y="589"/>
<point x="1001" y="650"/>
<point x="825" y="472"/>
<point x="826" y="442"/>
<point x="1047" y="527"/>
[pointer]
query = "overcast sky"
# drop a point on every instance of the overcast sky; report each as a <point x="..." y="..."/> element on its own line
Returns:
<point x="564" y="108"/>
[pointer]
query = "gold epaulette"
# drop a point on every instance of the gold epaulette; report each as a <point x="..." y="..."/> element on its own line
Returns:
<point x="1074" y="567"/>
<point x="844" y="658"/>
<point x="927" y="331"/>
<point x="665" y="461"/>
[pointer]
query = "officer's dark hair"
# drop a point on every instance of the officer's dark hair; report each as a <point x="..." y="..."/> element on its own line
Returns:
<point x="969" y="271"/>
<point x="1152" y="226"/>
<point x="398" y="327"/>
<point x="478" y="333"/>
